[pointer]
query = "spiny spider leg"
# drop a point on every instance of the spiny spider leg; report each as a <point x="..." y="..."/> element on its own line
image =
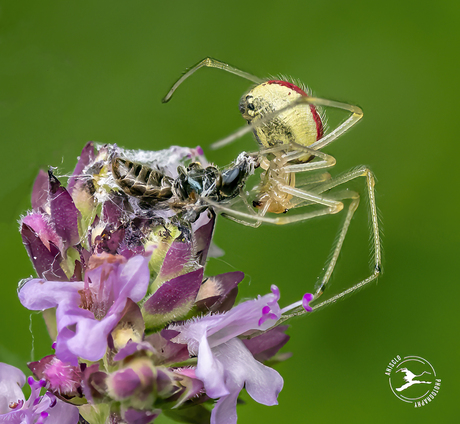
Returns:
<point x="282" y="220"/>
<point x="361" y="171"/>
<point x="357" y="114"/>
<point x="327" y="160"/>
<point x="250" y="212"/>
<point x="333" y="200"/>
<point x="210" y="63"/>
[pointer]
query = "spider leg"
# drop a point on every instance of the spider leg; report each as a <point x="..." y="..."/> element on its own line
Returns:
<point x="361" y="171"/>
<point x="336" y="206"/>
<point x="356" y="115"/>
<point x="250" y="212"/>
<point x="279" y="220"/>
<point x="241" y="221"/>
<point x="327" y="161"/>
<point x="298" y="151"/>
<point x="305" y="200"/>
<point x="322" y="283"/>
<point x="208" y="62"/>
<point x="312" y="180"/>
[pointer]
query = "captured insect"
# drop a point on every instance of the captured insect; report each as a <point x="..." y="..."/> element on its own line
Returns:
<point x="191" y="191"/>
<point x="288" y="126"/>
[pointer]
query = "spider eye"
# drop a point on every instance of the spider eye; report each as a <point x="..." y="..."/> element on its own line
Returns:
<point x="247" y="107"/>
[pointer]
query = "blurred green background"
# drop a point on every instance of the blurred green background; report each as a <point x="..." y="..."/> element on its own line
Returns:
<point x="96" y="70"/>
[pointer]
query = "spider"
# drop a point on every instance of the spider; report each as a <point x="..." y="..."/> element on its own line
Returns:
<point x="289" y="130"/>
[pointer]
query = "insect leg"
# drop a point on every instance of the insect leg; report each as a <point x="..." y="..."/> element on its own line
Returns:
<point x="210" y="63"/>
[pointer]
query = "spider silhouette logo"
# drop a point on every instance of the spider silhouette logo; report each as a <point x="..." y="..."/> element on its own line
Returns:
<point x="413" y="380"/>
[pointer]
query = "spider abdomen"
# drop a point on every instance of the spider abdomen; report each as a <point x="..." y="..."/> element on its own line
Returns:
<point x="301" y="124"/>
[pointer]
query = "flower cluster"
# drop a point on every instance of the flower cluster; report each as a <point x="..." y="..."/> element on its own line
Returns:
<point x="138" y="329"/>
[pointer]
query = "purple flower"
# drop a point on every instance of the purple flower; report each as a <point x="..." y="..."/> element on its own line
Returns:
<point x="240" y="369"/>
<point x="225" y="364"/>
<point x="11" y="381"/>
<point x="87" y="311"/>
<point x="14" y="409"/>
<point x="62" y="378"/>
<point x="117" y="275"/>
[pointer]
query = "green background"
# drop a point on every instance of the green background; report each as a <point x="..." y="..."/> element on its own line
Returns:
<point x="73" y="71"/>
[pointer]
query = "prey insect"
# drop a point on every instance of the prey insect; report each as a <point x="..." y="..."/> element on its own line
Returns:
<point x="288" y="127"/>
<point x="190" y="192"/>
